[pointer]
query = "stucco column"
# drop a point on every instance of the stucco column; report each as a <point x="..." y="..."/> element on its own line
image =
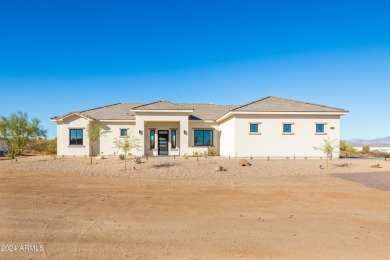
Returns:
<point x="184" y="136"/>
<point x="140" y="134"/>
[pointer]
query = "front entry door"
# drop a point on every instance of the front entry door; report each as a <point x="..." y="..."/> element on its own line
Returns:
<point x="163" y="142"/>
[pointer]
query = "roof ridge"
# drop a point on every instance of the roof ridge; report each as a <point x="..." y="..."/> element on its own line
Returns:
<point x="291" y="100"/>
<point x="207" y="104"/>
<point x="100" y="107"/>
<point x="160" y="101"/>
<point x="250" y="103"/>
<point x="180" y="104"/>
<point x="73" y="112"/>
<point x="308" y="103"/>
<point x="150" y="103"/>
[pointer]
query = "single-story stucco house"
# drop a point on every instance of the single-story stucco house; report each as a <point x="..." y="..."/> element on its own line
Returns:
<point x="270" y="126"/>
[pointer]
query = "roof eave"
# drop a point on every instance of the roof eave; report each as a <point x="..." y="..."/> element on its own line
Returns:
<point x="61" y="118"/>
<point x="162" y="110"/>
<point x="230" y="113"/>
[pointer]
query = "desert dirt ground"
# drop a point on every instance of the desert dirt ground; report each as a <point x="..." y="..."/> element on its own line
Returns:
<point x="286" y="214"/>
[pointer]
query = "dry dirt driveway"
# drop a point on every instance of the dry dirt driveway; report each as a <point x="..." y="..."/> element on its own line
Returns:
<point x="274" y="217"/>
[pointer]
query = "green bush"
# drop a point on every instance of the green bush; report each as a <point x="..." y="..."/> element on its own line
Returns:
<point x="137" y="160"/>
<point x="51" y="148"/>
<point x="122" y="156"/>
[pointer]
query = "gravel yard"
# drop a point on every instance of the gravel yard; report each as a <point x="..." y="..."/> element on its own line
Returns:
<point x="204" y="168"/>
<point x="183" y="209"/>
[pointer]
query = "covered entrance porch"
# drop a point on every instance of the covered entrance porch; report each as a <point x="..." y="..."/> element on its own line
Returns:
<point x="163" y="138"/>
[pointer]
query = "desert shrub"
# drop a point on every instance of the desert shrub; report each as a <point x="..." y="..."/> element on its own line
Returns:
<point x="185" y="156"/>
<point x="366" y="149"/>
<point x="211" y="151"/>
<point x="51" y="148"/>
<point x="381" y="154"/>
<point x="121" y="156"/>
<point x="42" y="146"/>
<point x="196" y="153"/>
<point x="37" y="146"/>
<point x="137" y="160"/>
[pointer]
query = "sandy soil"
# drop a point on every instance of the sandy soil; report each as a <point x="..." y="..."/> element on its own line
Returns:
<point x="274" y="210"/>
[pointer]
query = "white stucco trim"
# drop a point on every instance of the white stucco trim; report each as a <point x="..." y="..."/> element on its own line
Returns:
<point x="72" y="114"/>
<point x="161" y="111"/>
<point x="231" y="113"/>
<point x="116" y="121"/>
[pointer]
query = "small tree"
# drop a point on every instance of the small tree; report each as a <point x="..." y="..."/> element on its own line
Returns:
<point x="346" y="150"/>
<point x="126" y="144"/>
<point x="327" y="148"/>
<point x="366" y="150"/>
<point x="18" y="130"/>
<point x="94" y="133"/>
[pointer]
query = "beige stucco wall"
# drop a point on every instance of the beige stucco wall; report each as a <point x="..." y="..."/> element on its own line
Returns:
<point x="162" y="126"/>
<point x="272" y="142"/>
<point x="227" y="141"/>
<point x="144" y="120"/>
<point x="106" y="142"/>
<point x="230" y="137"/>
<point x="63" y="147"/>
<point x="201" y="125"/>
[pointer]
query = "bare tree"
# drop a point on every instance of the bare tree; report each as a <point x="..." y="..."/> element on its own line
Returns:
<point x="126" y="144"/>
<point x="94" y="133"/>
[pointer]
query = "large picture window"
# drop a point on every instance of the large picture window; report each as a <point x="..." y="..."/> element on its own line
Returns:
<point x="203" y="137"/>
<point x="152" y="139"/>
<point x="75" y="136"/>
<point x="173" y="138"/>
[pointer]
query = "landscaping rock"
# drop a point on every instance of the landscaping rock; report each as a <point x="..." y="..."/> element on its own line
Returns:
<point x="376" y="166"/>
<point x="244" y="162"/>
<point x="220" y="169"/>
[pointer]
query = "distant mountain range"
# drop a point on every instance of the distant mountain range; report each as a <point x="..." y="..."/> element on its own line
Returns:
<point x="379" y="142"/>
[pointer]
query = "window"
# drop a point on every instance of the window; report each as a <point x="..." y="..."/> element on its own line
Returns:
<point x="203" y="137"/>
<point x="152" y="139"/>
<point x="287" y="128"/>
<point x="320" y="128"/>
<point x="173" y="138"/>
<point x="123" y="132"/>
<point x="75" y="136"/>
<point x="254" y="128"/>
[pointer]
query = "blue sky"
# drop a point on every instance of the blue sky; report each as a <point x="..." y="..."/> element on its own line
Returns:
<point x="58" y="56"/>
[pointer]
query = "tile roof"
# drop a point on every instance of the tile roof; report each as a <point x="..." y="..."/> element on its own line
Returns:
<point x="119" y="111"/>
<point x="277" y="104"/>
<point x="123" y="111"/>
<point x="161" y="105"/>
<point x="209" y="111"/>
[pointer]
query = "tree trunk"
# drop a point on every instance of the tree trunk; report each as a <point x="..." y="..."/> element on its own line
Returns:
<point x="327" y="162"/>
<point x="90" y="152"/>
<point x="125" y="163"/>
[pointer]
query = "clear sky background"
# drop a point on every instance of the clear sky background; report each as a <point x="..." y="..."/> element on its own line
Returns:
<point x="58" y="56"/>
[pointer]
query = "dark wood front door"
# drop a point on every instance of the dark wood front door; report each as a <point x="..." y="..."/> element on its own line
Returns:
<point x="163" y="142"/>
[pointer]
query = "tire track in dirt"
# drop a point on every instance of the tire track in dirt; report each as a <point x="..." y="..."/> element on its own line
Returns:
<point x="55" y="222"/>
